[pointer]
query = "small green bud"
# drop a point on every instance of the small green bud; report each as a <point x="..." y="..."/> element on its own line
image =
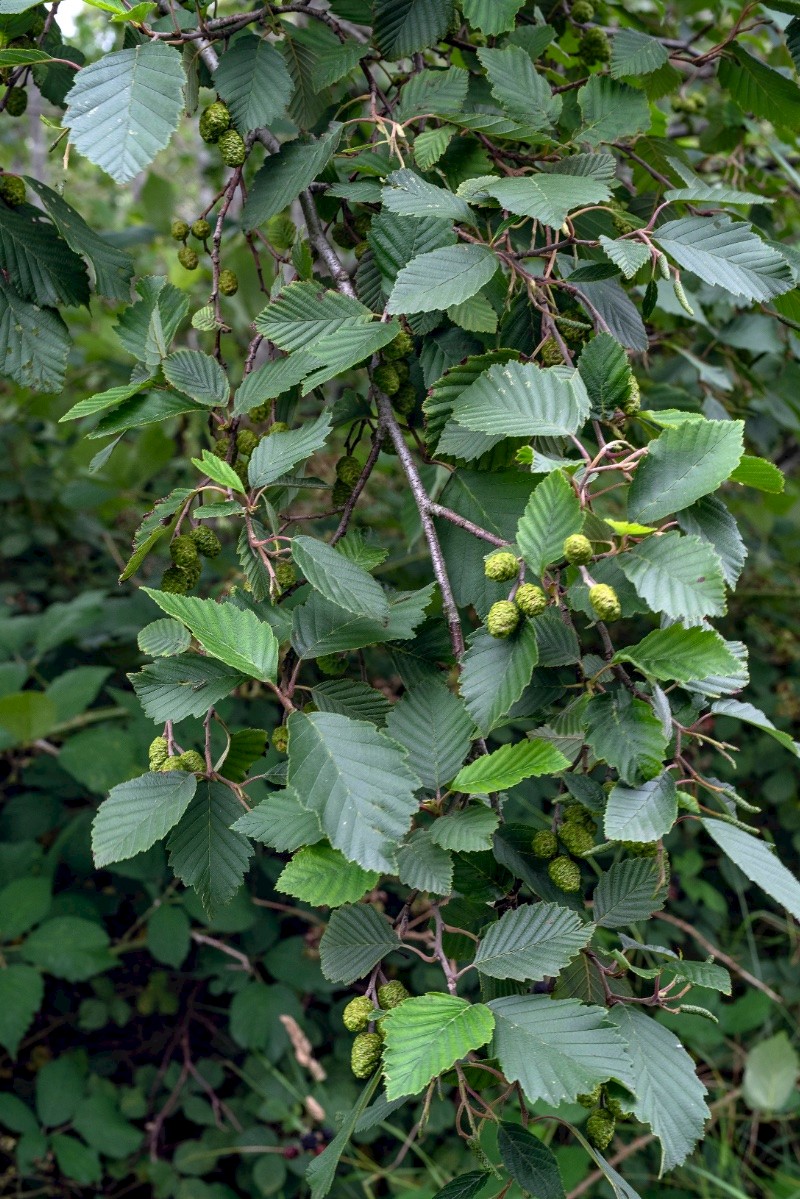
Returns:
<point x="361" y="249"/>
<point x="594" y="47"/>
<point x="285" y="574"/>
<point x="404" y="401"/>
<point x="228" y="283"/>
<point x="613" y="1106"/>
<point x="220" y="447"/>
<point x="544" y="844"/>
<point x="183" y="550"/>
<point x="578" y="550"/>
<point x="206" y="540"/>
<point x="576" y="838"/>
<point x="280" y="739"/>
<point x="158" y="752"/>
<point x="246" y="441"/>
<point x="331" y="664"/>
<point x="280" y="231"/>
<point x="232" y="148"/>
<point x="550" y="353"/>
<point x="340" y="494"/>
<point x="175" y="581"/>
<point x="12" y="190"/>
<point x="605" y="602"/>
<point x="403" y="371"/>
<point x="581" y="12"/>
<point x="214" y="121"/>
<point x="501" y="566"/>
<point x="591" y="1098"/>
<point x="355" y="1016"/>
<point x="576" y="813"/>
<point x="348" y="469"/>
<point x="188" y="259"/>
<point x="179" y="230"/>
<point x="401" y="347"/>
<point x="392" y="995"/>
<point x="530" y="599"/>
<point x="503" y="618"/>
<point x="16" y="101"/>
<point x="277" y="426"/>
<point x="565" y="874"/>
<point x="386" y="378"/>
<point x="632" y="402"/>
<point x="174" y="763"/>
<point x="366" y="1054"/>
<point x="201" y="229"/>
<point x="192" y="762"/>
<point x="600" y="1128"/>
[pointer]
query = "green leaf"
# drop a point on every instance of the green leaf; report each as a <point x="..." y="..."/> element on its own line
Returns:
<point x="466" y="1186"/>
<point x="532" y="942"/>
<point x="424" y="865"/>
<point x="611" y="111"/>
<point x="21" y="995"/>
<point x="395" y="240"/>
<point x="758" y="862"/>
<point x="38" y="263"/>
<point x="555" y="1048"/>
<point x="679" y="576"/>
<point x="546" y="197"/>
<point x="436" y="730"/>
<point x="402" y="27"/>
<point x="271" y="380"/>
<point x="281" y="822"/>
<point x="356" y="939"/>
<point x="172" y="689"/>
<point x="169" y="937"/>
<point x="113" y="268"/>
<point x="320" y="627"/>
<point x="522" y="400"/>
<point x="710" y="520"/>
<point x="496" y="672"/>
<point x="139" y="813"/>
<point x="77" y="1161"/>
<point x="340" y="580"/>
<point x="234" y="635"/>
<point x="553" y="514"/>
<point x="280" y="453"/>
<point x="100" y="1122"/>
<point x="305" y="312"/>
<point x="470" y="830"/>
<point x="770" y="1074"/>
<point x="668" y="1094"/>
<point x="759" y="89"/>
<point x="529" y="1162"/>
<point x="629" y="256"/>
<point x="442" y="277"/>
<point x="103" y="400"/>
<point x="752" y="715"/>
<point x="439" y="92"/>
<point x="606" y="373"/>
<point x="148" y="326"/>
<point x="508" y="766"/>
<point x="59" y="1089"/>
<point x="680" y="654"/>
<point x="197" y="375"/>
<point x="24" y="902"/>
<point x="629" y="893"/>
<point x="323" y="877"/>
<point x="24" y="717"/>
<point x="524" y="94"/>
<point x="34" y="343"/>
<point x="349" y="697"/>
<point x="337" y="62"/>
<point x="124" y="108"/>
<point x="684" y="463"/>
<point x="69" y="947"/>
<point x="285" y="174"/>
<point x="408" y="195"/>
<point x="758" y="473"/>
<point x="205" y="851"/>
<point x="726" y="254"/>
<point x="491" y="16"/>
<point x="427" y="1035"/>
<point x="626" y="733"/>
<point x="357" y="781"/>
<point x="634" y="53"/>
<point x="253" y="81"/>
<point x="643" y="813"/>
<point x="322" y="1170"/>
<point x="163" y="638"/>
